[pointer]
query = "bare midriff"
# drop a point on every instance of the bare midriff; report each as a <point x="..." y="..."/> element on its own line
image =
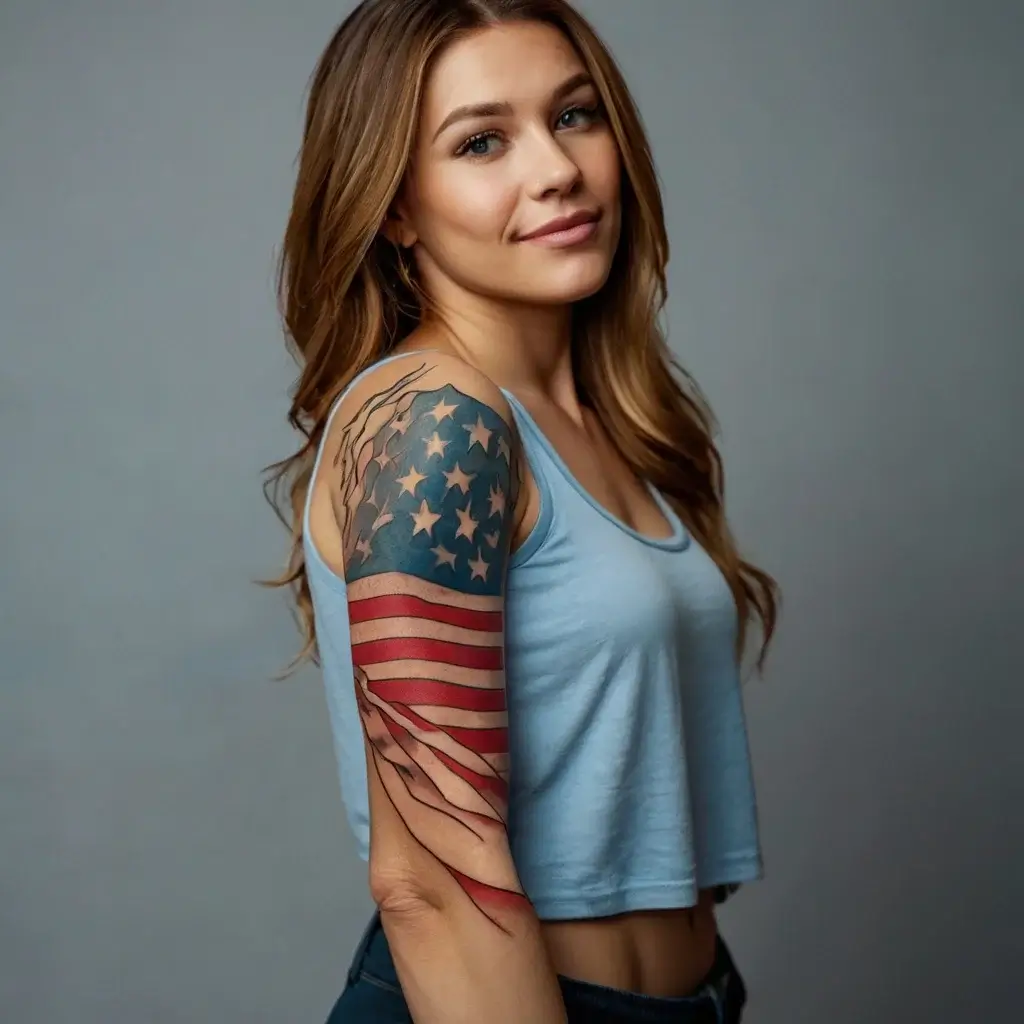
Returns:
<point x="663" y="953"/>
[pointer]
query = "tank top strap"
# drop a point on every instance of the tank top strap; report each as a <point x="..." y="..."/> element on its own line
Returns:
<point x="544" y="469"/>
<point x="541" y="456"/>
<point x="536" y="445"/>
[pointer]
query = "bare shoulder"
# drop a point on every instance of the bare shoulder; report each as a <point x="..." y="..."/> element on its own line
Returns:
<point x="424" y="463"/>
<point x="423" y="372"/>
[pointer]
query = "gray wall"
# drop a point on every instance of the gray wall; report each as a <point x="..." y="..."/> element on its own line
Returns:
<point x="844" y="190"/>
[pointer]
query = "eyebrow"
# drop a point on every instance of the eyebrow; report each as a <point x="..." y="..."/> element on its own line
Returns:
<point x="477" y="110"/>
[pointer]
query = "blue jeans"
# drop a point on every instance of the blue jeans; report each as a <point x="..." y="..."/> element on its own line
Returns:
<point x="373" y="994"/>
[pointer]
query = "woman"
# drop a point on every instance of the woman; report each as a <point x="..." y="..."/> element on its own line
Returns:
<point x="510" y="549"/>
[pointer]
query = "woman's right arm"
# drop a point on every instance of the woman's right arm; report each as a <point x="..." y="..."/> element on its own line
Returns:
<point x="425" y="502"/>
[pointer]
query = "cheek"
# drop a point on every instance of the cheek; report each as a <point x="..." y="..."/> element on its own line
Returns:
<point x="468" y="210"/>
<point x="463" y="216"/>
<point x="600" y="164"/>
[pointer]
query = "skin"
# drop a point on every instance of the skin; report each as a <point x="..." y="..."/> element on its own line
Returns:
<point x="481" y="183"/>
<point x="507" y="303"/>
<point x="475" y="186"/>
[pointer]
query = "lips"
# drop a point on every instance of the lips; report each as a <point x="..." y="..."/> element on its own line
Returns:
<point x="571" y="220"/>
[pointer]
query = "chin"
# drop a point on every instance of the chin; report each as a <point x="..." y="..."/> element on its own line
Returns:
<point x="577" y="280"/>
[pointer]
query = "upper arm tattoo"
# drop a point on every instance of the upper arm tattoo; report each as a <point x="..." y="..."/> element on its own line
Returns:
<point x="428" y="486"/>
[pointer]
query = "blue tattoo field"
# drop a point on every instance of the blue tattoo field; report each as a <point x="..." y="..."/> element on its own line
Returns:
<point x="435" y="494"/>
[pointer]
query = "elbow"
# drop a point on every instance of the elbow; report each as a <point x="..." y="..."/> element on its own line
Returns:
<point x="397" y="891"/>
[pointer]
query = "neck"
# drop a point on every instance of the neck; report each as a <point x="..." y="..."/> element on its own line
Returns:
<point x="525" y="348"/>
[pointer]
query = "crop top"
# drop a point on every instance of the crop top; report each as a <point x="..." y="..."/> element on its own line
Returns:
<point x="630" y="782"/>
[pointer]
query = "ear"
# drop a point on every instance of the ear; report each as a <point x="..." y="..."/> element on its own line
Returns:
<point x="397" y="227"/>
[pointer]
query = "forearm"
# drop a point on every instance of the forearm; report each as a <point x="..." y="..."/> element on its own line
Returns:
<point x="456" y="967"/>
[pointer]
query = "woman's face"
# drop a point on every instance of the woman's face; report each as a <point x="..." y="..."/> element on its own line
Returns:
<point x="512" y="137"/>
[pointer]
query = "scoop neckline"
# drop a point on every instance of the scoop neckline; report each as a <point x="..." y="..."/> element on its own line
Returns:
<point x="679" y="537"/>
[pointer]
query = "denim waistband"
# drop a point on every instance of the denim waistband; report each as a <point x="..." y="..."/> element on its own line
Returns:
<point x="719" y="999"/>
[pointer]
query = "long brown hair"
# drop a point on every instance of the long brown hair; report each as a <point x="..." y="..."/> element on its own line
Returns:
<point x="346" y="300"/>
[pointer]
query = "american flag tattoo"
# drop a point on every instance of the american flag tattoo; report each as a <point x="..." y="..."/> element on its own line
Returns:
<point x="428" y="478"/>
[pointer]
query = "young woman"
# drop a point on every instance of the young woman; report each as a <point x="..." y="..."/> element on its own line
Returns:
<point x="510" y="551"/>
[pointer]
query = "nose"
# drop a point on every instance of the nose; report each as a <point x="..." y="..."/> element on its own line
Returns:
<point x="551" y="170"/>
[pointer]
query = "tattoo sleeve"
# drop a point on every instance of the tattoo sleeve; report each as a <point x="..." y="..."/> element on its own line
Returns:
<point x="428" y="484"/>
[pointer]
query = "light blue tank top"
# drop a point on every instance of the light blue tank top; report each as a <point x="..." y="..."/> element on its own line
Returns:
<point x="630" y="784"/>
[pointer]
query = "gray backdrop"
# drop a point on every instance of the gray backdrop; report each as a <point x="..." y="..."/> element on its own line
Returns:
<point x="843" y="183"/>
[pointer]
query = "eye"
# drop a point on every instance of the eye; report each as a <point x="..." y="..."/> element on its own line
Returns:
<point x="577" y="116"/>
<point x="478" y="145"/>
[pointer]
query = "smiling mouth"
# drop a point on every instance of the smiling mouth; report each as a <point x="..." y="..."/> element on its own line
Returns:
<point x="565" y="231"/>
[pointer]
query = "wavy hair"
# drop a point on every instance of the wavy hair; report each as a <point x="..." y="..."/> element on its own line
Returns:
<point x="347" y="299"/>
